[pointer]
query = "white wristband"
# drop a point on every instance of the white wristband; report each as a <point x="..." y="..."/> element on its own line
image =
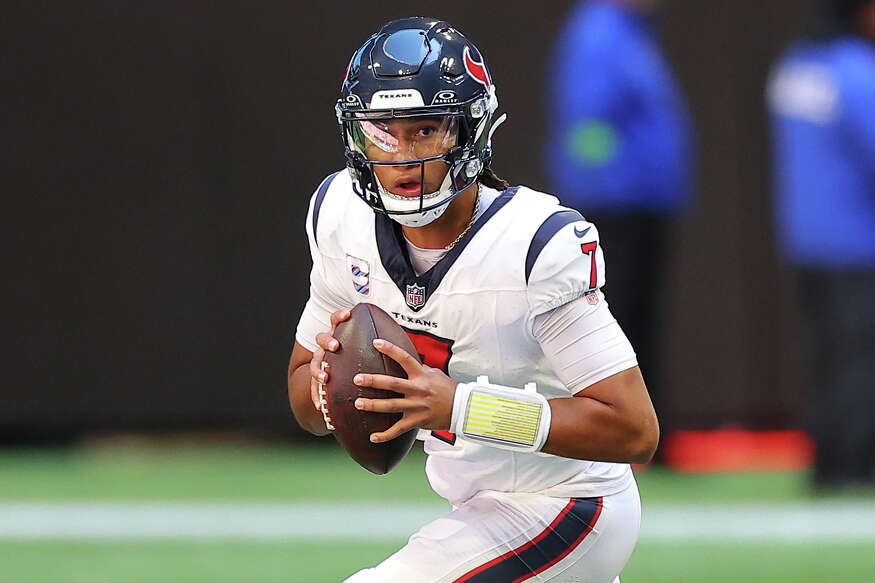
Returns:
<point x="503" y="417"/>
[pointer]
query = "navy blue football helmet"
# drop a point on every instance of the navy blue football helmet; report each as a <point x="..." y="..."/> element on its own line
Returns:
<point x="417" y="68"/>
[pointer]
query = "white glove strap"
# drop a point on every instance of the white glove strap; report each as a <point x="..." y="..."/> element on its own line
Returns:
<point x="503" y="417"/>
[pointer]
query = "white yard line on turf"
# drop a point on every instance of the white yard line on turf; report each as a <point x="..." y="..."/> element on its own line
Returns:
<point x="791" y="522"/>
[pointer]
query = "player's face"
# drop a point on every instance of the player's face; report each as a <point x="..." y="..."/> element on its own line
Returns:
<point x="400" y="140"/>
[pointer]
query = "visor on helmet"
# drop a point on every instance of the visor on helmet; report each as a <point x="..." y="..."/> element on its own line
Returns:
<point x="402" y="140"/>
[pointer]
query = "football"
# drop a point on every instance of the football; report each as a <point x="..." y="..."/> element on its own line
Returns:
<point x="357" y="354"/>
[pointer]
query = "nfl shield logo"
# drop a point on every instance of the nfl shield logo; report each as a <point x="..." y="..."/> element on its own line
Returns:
<point x="592" y="297"/>
<point x="415" y="296"/>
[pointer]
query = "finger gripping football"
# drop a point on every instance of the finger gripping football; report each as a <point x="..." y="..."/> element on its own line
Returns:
<point x="357" y="354"/>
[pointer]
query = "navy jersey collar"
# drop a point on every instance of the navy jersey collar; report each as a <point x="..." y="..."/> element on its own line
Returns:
<point x="393" y="253"/>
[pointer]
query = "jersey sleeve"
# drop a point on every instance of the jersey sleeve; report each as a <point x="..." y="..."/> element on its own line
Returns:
<point x="583" y="342"/>
<point x="322" y="302"/>
<point x="564" y="262"/>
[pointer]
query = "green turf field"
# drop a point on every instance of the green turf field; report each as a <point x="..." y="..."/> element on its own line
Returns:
<point x="297" y="562"/>
<point x="322" y="473"/>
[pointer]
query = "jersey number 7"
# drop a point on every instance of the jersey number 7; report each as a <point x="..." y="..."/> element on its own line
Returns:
<point x="435" y="352"/>
<point x="589" y="249"/>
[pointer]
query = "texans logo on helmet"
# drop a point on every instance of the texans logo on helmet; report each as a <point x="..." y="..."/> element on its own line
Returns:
<point x="475" y="69"/>
<point x="348" y="67"/>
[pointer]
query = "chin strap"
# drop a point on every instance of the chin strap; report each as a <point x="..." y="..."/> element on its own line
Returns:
<point x="503" y="417"/>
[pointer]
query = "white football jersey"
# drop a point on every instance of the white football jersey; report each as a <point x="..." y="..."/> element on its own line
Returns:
<point x="471" y="314"/>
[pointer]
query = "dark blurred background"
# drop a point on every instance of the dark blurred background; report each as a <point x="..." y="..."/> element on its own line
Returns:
<point x="158" y="156"/>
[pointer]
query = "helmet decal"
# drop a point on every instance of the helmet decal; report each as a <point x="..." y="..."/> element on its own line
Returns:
<point x="475" y="69"/>
<point x="396" y="98"/>
<point x="346" y="74"/>
<point x="445" y="96"/>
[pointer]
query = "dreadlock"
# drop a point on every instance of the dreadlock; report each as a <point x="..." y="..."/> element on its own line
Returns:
<point x="490" y="179"/>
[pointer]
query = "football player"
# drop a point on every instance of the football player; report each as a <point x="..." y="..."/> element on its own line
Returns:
<point x="529" y="401"/>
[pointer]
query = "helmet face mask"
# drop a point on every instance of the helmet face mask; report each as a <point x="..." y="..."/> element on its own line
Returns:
<point x="415" y="115"/>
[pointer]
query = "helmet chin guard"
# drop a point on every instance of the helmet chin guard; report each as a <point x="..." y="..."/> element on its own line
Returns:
<point x="416" y="69"/>
<point x="405" y="210"/>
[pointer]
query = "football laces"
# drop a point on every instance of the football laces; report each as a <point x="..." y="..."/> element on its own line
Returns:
<point x="323" y="400"/>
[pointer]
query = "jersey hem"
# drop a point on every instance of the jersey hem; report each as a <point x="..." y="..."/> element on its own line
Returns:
<point x="585" y="384"/>
<point x="309" y="345"/>
<point x="547" y="305"/>
<point x="591" y="490"/>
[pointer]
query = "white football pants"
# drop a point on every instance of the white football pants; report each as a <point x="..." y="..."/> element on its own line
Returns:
<point x="500" y="537"/>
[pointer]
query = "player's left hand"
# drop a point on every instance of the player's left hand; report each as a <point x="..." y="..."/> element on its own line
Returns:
<point x="428" y="394"/>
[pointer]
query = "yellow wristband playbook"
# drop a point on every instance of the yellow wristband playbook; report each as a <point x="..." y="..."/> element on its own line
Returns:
<point x="503" y="417"/>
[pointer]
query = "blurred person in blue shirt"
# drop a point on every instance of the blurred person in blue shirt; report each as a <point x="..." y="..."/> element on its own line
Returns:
<point x="620" y="152"/>
<point x="821" y="96"/>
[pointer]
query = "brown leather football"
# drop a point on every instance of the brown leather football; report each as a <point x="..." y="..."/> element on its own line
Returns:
<point x="357" y="354"/>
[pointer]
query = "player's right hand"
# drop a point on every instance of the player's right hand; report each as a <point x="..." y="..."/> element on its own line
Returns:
<point x="326" y="342"/>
